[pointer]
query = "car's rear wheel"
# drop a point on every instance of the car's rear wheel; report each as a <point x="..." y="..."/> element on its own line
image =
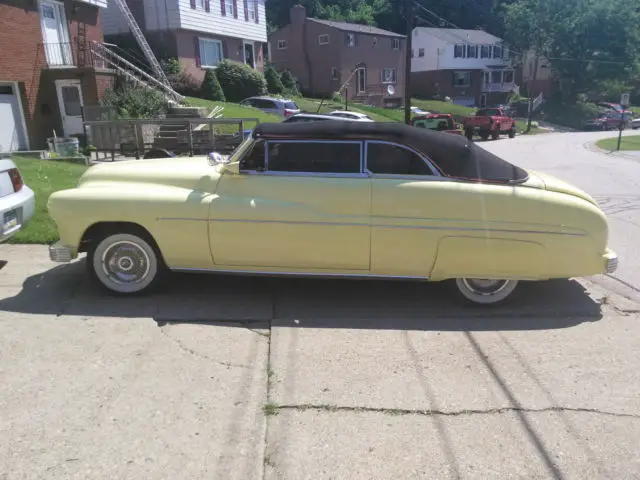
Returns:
<point x="484" y="291"/>
<point x="125" y="263"/>
<point x="468" y="134"/>
<point x="496" y="133"/>
<point x="512" y="132"/>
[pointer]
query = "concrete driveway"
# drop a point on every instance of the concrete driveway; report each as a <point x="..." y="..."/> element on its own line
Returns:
<point x="237" y="378"/>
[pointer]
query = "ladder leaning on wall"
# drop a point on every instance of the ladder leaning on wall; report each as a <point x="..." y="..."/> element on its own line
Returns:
<point x="142" y="42"/>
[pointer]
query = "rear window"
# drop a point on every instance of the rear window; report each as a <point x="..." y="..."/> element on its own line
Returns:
<point x="290" y="106"/>
<point x="490" y="112"/>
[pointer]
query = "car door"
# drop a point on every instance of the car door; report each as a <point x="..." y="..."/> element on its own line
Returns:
<point x="296" y="206"/>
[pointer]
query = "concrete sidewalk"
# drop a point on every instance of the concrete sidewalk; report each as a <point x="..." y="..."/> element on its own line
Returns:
<point x="249" y="378"/>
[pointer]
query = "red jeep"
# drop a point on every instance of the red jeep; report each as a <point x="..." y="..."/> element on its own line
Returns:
<point x="440" y="122"/>
<point x="489" y="122"/>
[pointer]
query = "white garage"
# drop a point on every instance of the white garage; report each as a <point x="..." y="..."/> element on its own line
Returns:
<point x="12" y="130"/>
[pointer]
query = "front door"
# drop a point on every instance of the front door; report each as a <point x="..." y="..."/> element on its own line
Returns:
<point x="55" y="33"/>
<point x="297" y="206"/>
<point x="483" y="100"/>
<point x="70" y="101"/>
<point x="361" y="80"/>
<point x="249" y="55"/>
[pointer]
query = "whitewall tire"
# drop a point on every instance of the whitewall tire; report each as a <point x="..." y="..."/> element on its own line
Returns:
<point x="125" y="263"/>
<point x="485" y="291"/>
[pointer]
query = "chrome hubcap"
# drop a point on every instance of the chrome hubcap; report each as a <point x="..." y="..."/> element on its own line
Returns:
<point x="125" y="262"/>
<point x="482" y="286"/>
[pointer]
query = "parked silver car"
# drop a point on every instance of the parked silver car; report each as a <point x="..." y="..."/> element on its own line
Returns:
<point x="277" y="106"/>
<point x="17" y="201"/>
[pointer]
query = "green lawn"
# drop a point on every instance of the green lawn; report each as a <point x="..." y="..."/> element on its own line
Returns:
<point x="44" y="177"/>
<point x="630" y="143"/>
<point x="233" y="110"/>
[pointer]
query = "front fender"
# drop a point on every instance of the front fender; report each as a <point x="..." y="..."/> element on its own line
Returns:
<point x="177" y="218"/>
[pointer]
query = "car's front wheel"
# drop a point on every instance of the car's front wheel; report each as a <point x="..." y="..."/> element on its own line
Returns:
<point x="485" y="291"/>
<point x="125" y="263"/>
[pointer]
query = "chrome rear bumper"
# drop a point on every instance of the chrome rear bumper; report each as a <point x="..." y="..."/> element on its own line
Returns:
<point x="611" y="261"/>
<point x="61" y="254"/>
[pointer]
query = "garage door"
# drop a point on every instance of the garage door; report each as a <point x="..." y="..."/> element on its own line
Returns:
<point x="12" y="135"/>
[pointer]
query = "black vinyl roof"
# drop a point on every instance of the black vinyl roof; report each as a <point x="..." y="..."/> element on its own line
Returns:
<point x="452" y="154"/>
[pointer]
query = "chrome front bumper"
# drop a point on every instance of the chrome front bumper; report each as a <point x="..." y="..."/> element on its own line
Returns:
<point x="61" y="254"/>
<point x="611" y="261"/>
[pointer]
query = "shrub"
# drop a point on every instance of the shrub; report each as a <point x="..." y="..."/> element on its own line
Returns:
<point x="239" y="81"/>
<point x="211" y="89"/>
<point x="171" y="66"/>
<point x="274" y="84"/>
<point x="131" y="101"/>
<point x="184" y="84"/>
<point x="289" y="82"/>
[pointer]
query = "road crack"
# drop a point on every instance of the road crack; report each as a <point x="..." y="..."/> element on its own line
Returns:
<point x="181" y="346"/>
<point x="273" y="410"/>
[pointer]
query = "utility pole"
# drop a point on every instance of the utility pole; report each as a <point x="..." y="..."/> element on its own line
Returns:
<point x="535" y="76"/>
<point x="409" y="12"/>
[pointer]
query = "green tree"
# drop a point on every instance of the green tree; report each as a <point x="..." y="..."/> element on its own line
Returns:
<point x="289" y="82"/>
<point x="586" y="42"/>
<point x="210" y="88"/>
<point x="274" y="83"/>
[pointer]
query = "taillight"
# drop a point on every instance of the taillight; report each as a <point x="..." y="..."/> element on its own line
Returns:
<point x="16" y="179"/>
<point x="287" y="113"/>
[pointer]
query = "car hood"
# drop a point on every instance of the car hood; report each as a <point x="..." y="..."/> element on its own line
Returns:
<point x="553" y="184"/>
<point x="184" y="172"/>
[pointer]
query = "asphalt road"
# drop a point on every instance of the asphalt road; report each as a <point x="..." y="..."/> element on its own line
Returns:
<point x="613" y="179"/>
<point x="237" y="378"/>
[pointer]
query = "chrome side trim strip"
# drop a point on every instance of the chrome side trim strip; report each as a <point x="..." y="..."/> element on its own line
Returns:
<point x="182" y="219"/>
<point x="413" y="227"/>
<point x="299" y="274"/>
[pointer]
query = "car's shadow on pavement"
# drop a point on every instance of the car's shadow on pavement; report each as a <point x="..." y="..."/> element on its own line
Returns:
<point x="311" y="303"/>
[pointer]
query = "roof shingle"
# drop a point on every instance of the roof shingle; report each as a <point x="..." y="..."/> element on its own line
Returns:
<point x="356" y="28"/>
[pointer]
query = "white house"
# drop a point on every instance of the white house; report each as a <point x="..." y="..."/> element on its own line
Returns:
<point x="470" y="66"/>
<point x="200" y="33"/>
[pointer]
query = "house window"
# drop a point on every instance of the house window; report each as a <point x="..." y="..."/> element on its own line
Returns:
<point x="210" y="52"/>
<point x="323" y="39"/>
<point x="485" y="51"/>
<point x="497" y="51"/>
<point x="229" y="7"/>
<point x="395" y="43"/>
<point x="389" y="75"/>
<point x="487" y="78"/>
<point x="507" y="76"/>
<point x="461" y="79"/>
<point x="334" y="73"/>
<point x="282" y="44"/>
<point x="472" y="51"/>
<point x="314" y="157"/>
<point x="251" y="5"/>
<point x="47" y="12"/>
<point x="392" y="159"/>
<point x="421" y="52"/>
<point x="458" y="51"/>
<point x="201" y="3"/>
<point x="351" y="39"/>
<point x="496" y="77"/>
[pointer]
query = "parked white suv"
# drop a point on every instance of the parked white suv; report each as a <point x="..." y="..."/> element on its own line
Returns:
<point x="347" y="114"/>
<point x="278" y="106"/>
<point x="17" y="201"/>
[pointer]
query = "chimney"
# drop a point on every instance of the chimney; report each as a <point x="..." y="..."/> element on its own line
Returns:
<point x="297" y="14"/>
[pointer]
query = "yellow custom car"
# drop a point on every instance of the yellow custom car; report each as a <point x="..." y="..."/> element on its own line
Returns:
<point x="345" y="199"/>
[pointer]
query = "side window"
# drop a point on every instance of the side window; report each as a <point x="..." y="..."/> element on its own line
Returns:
<point x="253" y="160"/>
<point x="390" y="159"/>
<point x="314" y="157"/>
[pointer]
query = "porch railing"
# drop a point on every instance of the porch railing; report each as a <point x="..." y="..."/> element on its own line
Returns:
<point x="71" y="55"/>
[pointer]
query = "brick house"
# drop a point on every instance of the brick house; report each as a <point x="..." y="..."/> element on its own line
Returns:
<point x="46" y="72"/>
<point x="199" y="33"/>
<point x="472" y="67"/>
<point x="322" y="54"/>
